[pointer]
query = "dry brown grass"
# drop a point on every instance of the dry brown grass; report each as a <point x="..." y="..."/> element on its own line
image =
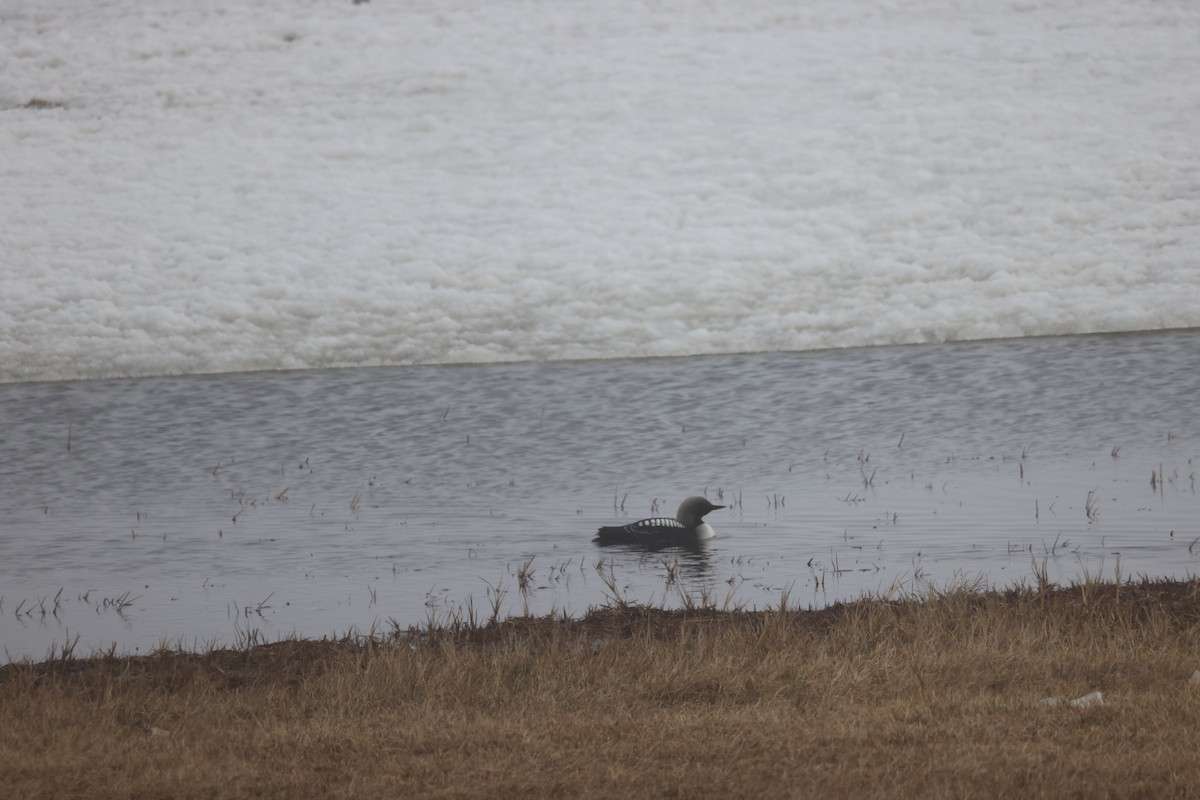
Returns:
<point x="939" y="698"/>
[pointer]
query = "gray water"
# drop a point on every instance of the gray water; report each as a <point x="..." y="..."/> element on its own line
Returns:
<point x="197" y="510"/>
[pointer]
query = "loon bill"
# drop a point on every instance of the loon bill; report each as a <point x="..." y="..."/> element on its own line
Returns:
<point x="688" y="526"/>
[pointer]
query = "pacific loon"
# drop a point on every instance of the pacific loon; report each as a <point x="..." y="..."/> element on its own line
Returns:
<point x="688" y="527"/>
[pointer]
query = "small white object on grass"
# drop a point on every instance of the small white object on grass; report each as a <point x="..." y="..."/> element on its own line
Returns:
<point x="1087" y="701"/>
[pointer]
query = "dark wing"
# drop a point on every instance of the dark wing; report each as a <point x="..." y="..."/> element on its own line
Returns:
<point x="644" y="530"/>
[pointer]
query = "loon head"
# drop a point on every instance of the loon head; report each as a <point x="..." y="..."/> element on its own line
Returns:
<point x="691" y="511"/>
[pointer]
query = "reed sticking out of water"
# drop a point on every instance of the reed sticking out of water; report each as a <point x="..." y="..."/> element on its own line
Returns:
<point x="672" y="567"/>
<point x="117" y="604"/>
<point x="495" y="596"/>
<point x="868" y="480"/>
<point x="613" y="594"/>
<point x="525" y="576"/>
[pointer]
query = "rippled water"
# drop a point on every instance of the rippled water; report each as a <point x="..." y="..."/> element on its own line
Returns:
<point x="315" y="502"/>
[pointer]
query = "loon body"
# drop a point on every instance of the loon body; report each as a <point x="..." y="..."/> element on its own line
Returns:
<point x="688" y="527"/>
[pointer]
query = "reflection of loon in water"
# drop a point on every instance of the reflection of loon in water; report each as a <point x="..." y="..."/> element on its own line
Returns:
<point x="688" y="527"/>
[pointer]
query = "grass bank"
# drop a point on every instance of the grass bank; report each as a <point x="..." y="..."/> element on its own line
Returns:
<point x="934" y="698"/>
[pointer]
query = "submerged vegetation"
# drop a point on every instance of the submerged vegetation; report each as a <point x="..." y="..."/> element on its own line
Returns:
<point x="935" y="696"/>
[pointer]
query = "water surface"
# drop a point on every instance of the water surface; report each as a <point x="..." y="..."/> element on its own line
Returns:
<point x="199" y="509"/>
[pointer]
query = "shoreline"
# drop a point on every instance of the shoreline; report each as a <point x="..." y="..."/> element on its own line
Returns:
<point x="934" y="696"/>
<point x="530" y="362"/>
